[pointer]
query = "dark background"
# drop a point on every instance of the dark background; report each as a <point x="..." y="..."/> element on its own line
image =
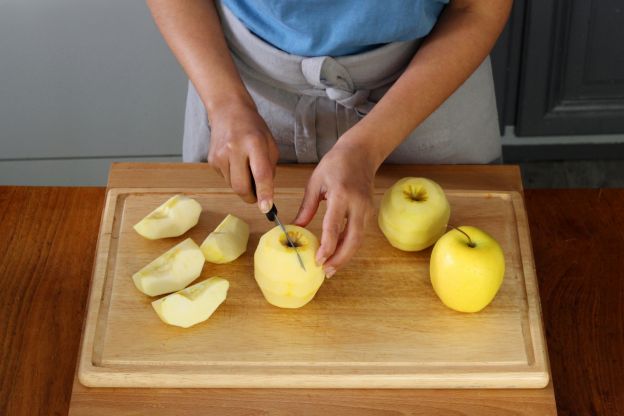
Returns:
<point x="559" y="71"/>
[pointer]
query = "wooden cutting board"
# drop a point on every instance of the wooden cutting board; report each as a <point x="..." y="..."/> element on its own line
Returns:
<point x="376" y="324"/>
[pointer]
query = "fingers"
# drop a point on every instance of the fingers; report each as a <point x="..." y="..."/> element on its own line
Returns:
<point x="351" y="240"/>
<point x="237" y="158"/>
<point x="221" y="164"/>
<point x="309" y="205"/>
<point x="240" y="178"/>
<point x="332" y="226"/>
<point x="262" y="170"/>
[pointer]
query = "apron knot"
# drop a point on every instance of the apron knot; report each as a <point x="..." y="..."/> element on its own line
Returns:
<point x="325" y="73"/>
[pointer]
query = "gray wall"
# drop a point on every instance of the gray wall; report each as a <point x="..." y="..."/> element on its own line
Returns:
<point x="82" y="83"/>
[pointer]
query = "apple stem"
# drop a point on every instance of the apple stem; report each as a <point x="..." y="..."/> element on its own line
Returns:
<point x="471" y="244"/>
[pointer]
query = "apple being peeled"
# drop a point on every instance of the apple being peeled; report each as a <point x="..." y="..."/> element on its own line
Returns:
<point x="171" y="271"/>
<point x="227" y="242"/>
<point x="467" y="267"/>
<point x="172" y="219"/>
<point x="414" y="213"/>
<point x="192" y="305"/>
<point x="278" y="273"/>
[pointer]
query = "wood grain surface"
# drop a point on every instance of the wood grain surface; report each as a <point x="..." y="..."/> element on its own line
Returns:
<point x="47" y="241"/>
<point x="583" y="315"/>
<point x="378" y="323"/>
<point x="578" y="241"/>
<point x="200" y="175"/>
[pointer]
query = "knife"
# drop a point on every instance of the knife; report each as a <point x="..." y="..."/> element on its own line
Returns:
<point x="272" y="216"/>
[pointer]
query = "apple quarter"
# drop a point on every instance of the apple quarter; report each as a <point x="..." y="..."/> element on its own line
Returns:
<point x="171" y="219"/>
<point x="192" y="305"/>
<point x="172" y="270"/>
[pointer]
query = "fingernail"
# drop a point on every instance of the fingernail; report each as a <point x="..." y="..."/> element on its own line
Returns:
<point x="329" y="272"/>
<point x="265" y="206"/>
<point x="321" y="261"/>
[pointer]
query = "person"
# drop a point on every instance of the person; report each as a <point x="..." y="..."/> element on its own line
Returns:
<point x="343" y="83"/>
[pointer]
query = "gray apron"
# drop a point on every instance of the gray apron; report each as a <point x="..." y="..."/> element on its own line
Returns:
<point x="308" y="103"/>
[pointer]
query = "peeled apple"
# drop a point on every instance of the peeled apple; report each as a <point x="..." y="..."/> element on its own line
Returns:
<point x="414" y="213"/>
<point x="277" y="271"/>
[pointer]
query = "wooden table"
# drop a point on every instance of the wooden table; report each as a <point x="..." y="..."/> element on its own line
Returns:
<point x="47" y="243"/>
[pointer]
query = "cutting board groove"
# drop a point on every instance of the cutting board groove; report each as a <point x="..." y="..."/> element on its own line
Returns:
<point x="376" y="324"/>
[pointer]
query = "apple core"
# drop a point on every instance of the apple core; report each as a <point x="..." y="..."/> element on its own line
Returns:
<point x="415" y="193"/>
<point x="297" y="239"/>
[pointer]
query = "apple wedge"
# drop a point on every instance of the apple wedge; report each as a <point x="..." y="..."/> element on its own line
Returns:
<point x="227" y="242"/>
<point x="172" y="271"/>
<point x="277" y="271"/>
<point x="192" y="305"/>
<point x="414" y="213"/>
<point x="172" y="219"/>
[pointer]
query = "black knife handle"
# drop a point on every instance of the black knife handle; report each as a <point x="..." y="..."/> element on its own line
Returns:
<point x="271" y="214"/>
<point x="273" y="211"/>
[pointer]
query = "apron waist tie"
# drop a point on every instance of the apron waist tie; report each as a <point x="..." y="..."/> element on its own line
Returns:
<point x="328" y="79"/>
<point x="324" y="73"/>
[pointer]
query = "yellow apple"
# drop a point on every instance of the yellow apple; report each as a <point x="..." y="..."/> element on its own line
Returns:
<point x="172" y="271"/>
<point x="414" y="213"/>
<point x="282" y="280"/>
<point x="467" y="269"/>
<point x="192" y="305"/>
<point x="227" y="242"/>
<point x="172" y="219"/>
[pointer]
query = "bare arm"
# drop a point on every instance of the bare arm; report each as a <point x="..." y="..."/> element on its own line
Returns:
<point x="460" y="41"/>
<point x="240" y="139"/>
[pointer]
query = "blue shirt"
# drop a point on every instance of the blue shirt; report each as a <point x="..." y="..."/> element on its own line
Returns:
<point x="336" y="27"/>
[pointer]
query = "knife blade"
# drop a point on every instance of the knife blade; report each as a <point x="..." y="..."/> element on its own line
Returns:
<point x="272" y="216"/>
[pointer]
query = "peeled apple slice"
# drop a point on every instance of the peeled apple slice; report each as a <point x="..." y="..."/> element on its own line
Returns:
<point x="192" y="305"/>
<point x="172" y="271"/>
<point x="227" y="242"/>
<point x="172" y="219"/>
<point x="277" y="271"/>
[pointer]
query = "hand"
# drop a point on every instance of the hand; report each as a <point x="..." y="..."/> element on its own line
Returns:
<point x="241" y="145"/>
<point x="344" y="177"/>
